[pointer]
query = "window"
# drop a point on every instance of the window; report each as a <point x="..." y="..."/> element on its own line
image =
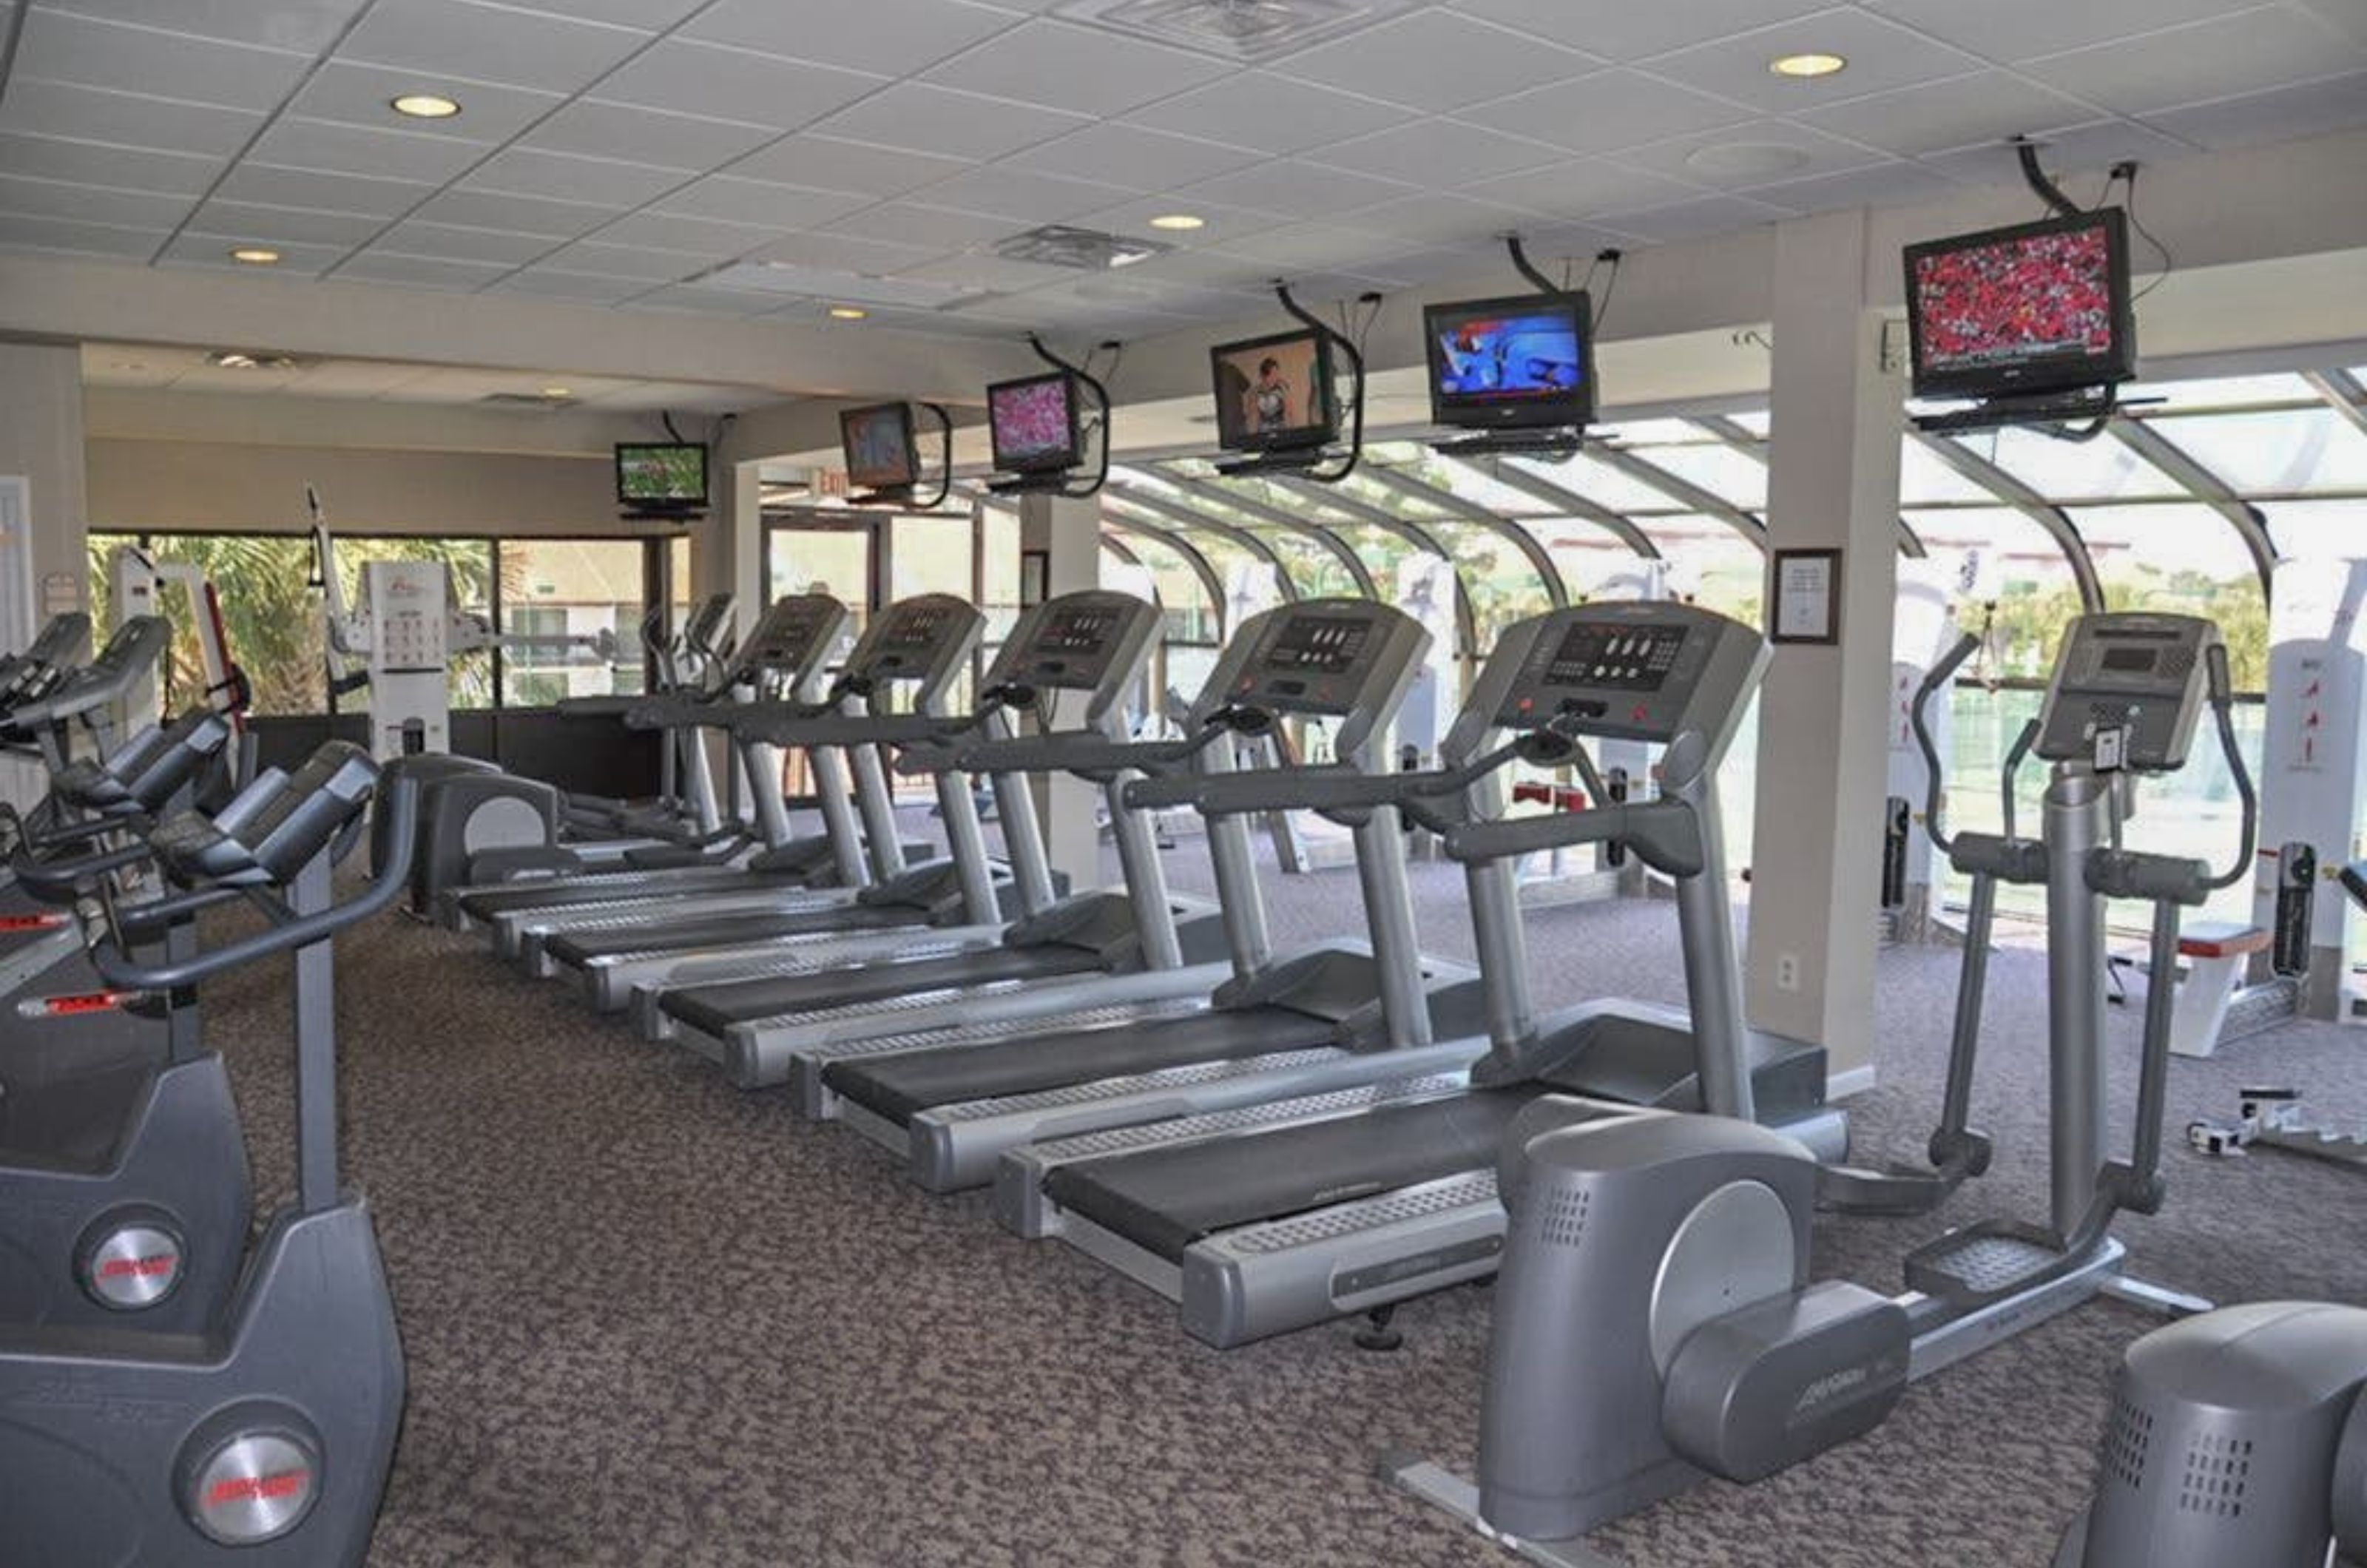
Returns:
<point x="567" y="594"/>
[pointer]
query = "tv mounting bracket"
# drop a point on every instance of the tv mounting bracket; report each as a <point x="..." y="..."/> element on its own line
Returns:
<point x="902" y="495"/>
<point x="1322" y="467"/>
<point x="1065" y="481"/>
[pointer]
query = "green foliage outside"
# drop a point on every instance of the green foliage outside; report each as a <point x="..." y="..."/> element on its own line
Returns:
<point x="273" y="621"/>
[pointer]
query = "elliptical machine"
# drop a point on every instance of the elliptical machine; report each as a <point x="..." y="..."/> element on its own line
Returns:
<point x="263" y="1441"/>
<point x="1659" y="1262"/>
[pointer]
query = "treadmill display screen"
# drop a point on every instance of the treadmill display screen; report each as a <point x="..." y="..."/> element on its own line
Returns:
<point x="1620" y="659"/>
<point x="2131" y="660"/>
<point x="915" y="629"/>
<point x="1078" y="631"/>
<point x="1319" y="645"/>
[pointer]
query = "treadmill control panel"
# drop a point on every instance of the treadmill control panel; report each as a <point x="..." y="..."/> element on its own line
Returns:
<point x="1321" y="662"/>
<point x="2127" y="690"/>
<point x="1093" y="640"/>
<point x="707" y="624"/>
<point x="924" y="640"/>
<point x="797" y="634"/>
<point x="1625" y="670"/>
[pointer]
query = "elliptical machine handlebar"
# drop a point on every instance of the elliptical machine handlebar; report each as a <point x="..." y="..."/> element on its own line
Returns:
<point x="1940" y="675"/>
<point x="401" y="797"/>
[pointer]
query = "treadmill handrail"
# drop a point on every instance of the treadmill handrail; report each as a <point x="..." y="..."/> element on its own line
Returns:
<point x="1072" y="752"/>
<point x="1664" y="834"/>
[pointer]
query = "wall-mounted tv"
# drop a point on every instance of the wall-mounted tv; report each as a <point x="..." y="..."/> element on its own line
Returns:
<point x="881" y="452"/>
<point x="662" y="476"/>
<point x="1522" y="362"/>
<point x="1274" y="393"/>
<point x="1034" y="424"/>
<point x="2035" y="308"/>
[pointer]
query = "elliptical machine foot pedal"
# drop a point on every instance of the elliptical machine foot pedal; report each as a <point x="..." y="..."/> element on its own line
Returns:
<point x="1983" y="1262"/>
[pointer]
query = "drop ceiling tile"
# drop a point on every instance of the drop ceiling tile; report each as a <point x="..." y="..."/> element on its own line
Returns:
<point x="123" y="120"/>
<point x="1018" y="196"/>
<point x="195" y="248"/>
<point x="650" y="16"/>
<point x="892" y="41"/>
<point x="2250" y="51"/>
<point x="2024" y="29"/>
<point x="2097" y="145"/>
<point x="21" y="232"/>
<point x="630" y="261"/>
<point x="275" y="186"/>
<point x="1307" y="245"/>
<point x="516" y="214"/>
<point x="856" y="168"/>
<point x="1146" y="158"/>
<point x="306" y="27"/>
<point x="418" y="272"/>
<point x="1436" y="61"/>
<point x="124" y="168"/>
<point x="1692" y="219"/>
<point x="907" y="223"/>
<point x="359" y="95"/>
<point x="1881" y="185"/>
<point x="563" y="176"/>
<point x="1219" y="222"/>
<point x="922" y="119"/>
<point x="558" y="284"/>
<point x="639" y="135"/>
<point x="1290" y="189"/>
<point x="1607" y="111"/>
<point x="489" y="43"/>
<point x="775" y="206"/>
<point x="274" y="225"/>
<point x="683" y="77"/>
<point x="988" y="274"/>
<point x="1271" y="113"/>
<point x="1987" y="107"/>
<point x="701" y="236"/>
<point x="1582" y="186"/>
<point x="2283" y="114"/>
<point x="1881" y="55"/>
<point x="1430" y="218"/>
<point x="850" y="254"/>
<point x="357" y="377"/>
<point x="1621" y="32"/>
<point x="450" y="242"/>
<point x="1062" y="66"/>
<point x="332" y="147"/>
<point x="1740" y="156"/>
<point x="56" y="47"/>
<point x="2344" y="15"/>
<point x="1210" y="269"/>
<point x="694" y="300"/>
<point x="58" y="199"/>
<point x="1441" y="152"/>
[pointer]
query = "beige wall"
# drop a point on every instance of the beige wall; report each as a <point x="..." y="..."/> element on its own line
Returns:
<point x="42" y="439"/>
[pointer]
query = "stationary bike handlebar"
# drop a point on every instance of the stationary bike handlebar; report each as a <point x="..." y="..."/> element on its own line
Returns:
<point x="402" y="797"/>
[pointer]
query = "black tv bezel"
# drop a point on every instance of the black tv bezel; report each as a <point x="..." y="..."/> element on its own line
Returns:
<point x="2061" y="374"/>
<point x="1299" y="437"/>
<point x="1472" y="411"/>
<point x="1048" y="462"/>
<point x="904" y="411"/>
<point x="664" y="504"/>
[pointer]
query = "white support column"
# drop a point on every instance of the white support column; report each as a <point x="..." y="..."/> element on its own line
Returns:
<point x="1071" y="532"/>
<point x="41" y="441"/>
<point x="1833" y="483"/>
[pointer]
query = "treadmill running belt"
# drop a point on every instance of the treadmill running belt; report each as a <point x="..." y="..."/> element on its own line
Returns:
<point x="485" y="903"/>
<point x="717" y="1008"/>
<point x="659" y="934"/>
<point x="902" y="1086"/>
<point x="1163" y="1200"/>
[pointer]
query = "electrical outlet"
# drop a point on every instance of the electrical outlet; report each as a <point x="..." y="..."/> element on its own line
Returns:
<point x="1787" y="971"/>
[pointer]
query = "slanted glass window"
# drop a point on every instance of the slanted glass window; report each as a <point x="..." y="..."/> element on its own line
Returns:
<point x="2101" y="469"/>
<point x="2288" y="451"/>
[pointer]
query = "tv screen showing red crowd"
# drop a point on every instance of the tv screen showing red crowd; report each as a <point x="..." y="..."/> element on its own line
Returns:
<point x="2034" y="297"/>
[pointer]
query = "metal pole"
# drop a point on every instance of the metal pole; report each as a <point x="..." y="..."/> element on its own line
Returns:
<point x="315" y="1013"/>
<point x="1712" y="967"/>
<point x="2076" y="806"/>
<point x="1241" y="900"/>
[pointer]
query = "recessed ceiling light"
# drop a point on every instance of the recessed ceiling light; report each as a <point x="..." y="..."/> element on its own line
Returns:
<point x="1180" y="221"/>
<point x="556" y="392"/>
<point x="1812" y="64"/>
<point x="848" y="313"/>
<point x="424" y="105"/>
<point x="254" y="255"/>
<point x="250" y="359"/>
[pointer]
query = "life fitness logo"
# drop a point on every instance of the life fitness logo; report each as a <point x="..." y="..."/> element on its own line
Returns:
<point x="405" y="588"/>
<point x="278" y="1486"/>
<point x="155" y="1265"/>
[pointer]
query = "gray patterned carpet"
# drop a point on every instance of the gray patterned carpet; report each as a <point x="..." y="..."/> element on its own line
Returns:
<point x="654" y="1320"/>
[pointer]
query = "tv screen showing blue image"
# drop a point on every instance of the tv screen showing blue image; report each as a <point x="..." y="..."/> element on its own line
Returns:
<point x="1523" y="361"/>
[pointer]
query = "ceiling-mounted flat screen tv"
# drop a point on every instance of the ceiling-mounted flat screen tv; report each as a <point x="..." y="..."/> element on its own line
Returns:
<point x="2032" y="309"/>
<point x="662" y="475"/>
<point x="1274" y="393"/>
<point x="878" y="441"/>
<point x="1522" y="363"/>
<point x="1033" y="424"/>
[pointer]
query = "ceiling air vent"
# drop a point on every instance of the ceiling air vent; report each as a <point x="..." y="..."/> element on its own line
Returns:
<point x="1236" y="30"/>
<point x="1081" y="249"/>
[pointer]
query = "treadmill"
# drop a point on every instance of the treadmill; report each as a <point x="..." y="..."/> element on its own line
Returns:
<point x="1339" y="1015"/>
<point x="1094" y="645"/>
<point x="920" y="645"/>
<point x="1139" y="944"/>
<point x="1262" y="1221"/>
